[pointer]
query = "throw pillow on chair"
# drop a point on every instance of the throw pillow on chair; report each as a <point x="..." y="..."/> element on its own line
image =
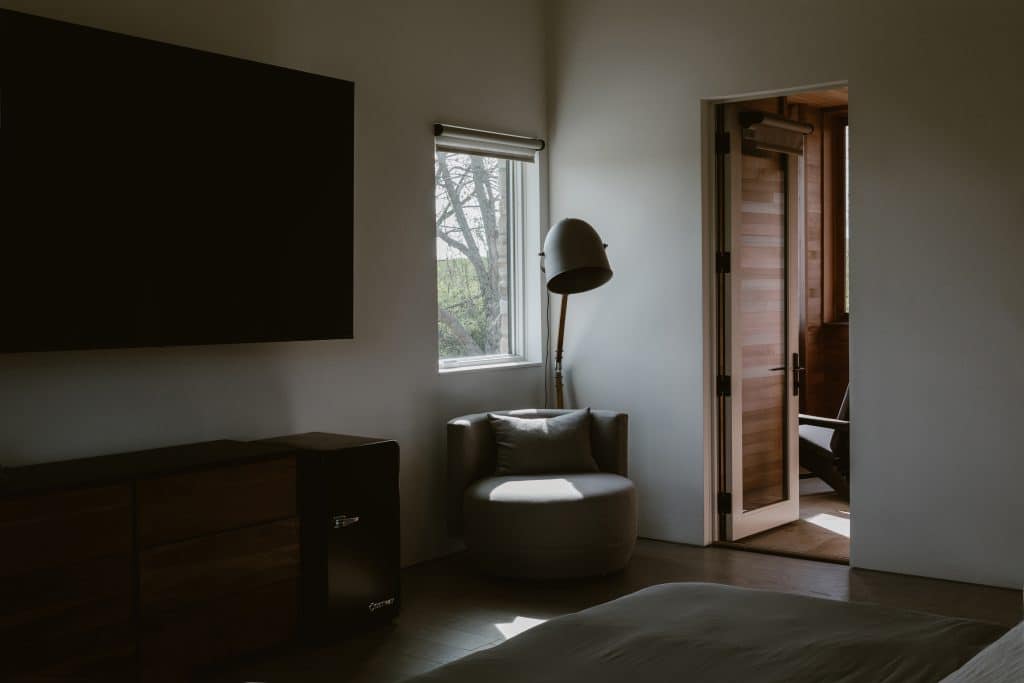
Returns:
<point x="542" y="445"/>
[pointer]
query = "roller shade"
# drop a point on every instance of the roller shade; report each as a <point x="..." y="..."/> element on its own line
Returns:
<point x="774" y="133"/>
<point x="460" y="140"/>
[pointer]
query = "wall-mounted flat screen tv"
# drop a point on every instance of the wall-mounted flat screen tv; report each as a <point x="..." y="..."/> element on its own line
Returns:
<point x="154" y="195"/>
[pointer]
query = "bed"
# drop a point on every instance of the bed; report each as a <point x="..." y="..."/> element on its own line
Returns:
<point x="711" y="633"/>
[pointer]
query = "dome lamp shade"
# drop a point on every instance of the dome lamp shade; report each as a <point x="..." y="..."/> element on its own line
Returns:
<point x="574" y="258"/>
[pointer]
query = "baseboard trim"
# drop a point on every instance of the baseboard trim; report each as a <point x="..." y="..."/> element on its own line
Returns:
<point x="782" y="553"/>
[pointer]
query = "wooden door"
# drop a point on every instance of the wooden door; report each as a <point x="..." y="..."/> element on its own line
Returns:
<point x="759" y="367"/>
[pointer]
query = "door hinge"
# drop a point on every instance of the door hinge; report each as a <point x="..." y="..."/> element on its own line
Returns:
<point x="723" y="262"/>
<point x="724" y="503"/>
<point x="724" y="385"/>
<point x="722" y="143"/>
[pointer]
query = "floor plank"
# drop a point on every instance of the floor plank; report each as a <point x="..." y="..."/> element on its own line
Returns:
<point x="821" y="533"/>
<point x="450" y="610"/>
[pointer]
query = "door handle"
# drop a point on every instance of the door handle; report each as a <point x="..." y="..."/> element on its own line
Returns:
<point x="781" y="367"/>
<point x="342" y="521"/>
<point x="798" y="371"/>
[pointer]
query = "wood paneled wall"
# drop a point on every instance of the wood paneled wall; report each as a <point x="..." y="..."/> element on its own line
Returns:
<point x="825" y="344"/>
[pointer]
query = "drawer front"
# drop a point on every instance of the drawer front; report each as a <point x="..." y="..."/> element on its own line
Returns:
<point x="73" y="623"/>
<point x="205" y="569"/>
<point x="179" y="646"/>
<point x="103" y="655"/>
<point x="193" y="504"/>
<point x="53" y="529"/>
<point x="73" y="598"/>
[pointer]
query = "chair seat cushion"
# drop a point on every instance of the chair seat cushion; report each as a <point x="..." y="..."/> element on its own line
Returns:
<point x="819" y="436"/>
<point x="551" y="489"/>
<point x="551" y="526"/>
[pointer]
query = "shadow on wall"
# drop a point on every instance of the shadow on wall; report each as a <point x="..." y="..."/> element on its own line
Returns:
<point x="64" y="405"/>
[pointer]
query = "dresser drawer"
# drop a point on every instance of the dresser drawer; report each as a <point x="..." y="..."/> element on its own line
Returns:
<point x="73" y="620"/>
<point x="66" y="585"/>
<point x="181" y="506"/>
<point x="104" y="655"/>
<point x="207" y="568"/>
<point x="53" y="529"/>
<point x="179" y="646"/>
<point x="72" y="598"/>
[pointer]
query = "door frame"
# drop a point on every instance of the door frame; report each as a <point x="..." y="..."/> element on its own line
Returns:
<point x="709" y="187"/>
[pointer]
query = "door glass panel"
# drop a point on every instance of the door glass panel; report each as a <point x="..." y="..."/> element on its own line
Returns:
<point x="762" y="280"/>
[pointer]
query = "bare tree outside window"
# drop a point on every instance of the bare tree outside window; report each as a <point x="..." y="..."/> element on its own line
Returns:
<point x="472" y="209"/>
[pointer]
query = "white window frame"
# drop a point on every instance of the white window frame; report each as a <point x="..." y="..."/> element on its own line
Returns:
<point x="516" y="281"/>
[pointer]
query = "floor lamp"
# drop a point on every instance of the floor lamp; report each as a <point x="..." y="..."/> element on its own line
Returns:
<point x="574" y="261"/>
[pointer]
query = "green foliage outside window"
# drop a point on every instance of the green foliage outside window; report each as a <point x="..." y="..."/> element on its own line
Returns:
<point x="472" y="222"/>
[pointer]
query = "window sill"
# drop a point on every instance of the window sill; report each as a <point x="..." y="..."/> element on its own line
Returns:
<point x="510" y="365"/>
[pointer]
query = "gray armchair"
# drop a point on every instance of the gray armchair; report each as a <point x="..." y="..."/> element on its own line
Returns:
<point x="542" y="526"/>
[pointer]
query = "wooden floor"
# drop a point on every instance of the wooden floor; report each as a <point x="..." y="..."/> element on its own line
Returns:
<point x="449" y="610"/>
<point x="821" y="533"/>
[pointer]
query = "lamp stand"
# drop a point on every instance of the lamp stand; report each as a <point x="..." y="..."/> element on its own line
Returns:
<point x="559" y="393"/>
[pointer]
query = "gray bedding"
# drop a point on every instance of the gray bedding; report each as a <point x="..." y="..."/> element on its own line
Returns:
<point x="699" y="632"/>
<point x="1000" y="662"/>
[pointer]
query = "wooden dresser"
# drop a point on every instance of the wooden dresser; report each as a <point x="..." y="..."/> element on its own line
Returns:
<point x="157" y="565"/>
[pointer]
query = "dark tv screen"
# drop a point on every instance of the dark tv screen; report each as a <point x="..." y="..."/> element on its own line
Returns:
<point x="154" y="195"/>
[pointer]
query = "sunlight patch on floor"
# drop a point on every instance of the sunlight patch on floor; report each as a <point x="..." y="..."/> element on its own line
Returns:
<point x="835" y="523"/>
<point x="517" y="626"/>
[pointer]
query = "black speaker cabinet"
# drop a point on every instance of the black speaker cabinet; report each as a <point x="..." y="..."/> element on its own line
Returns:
<point x="349" y="531"/>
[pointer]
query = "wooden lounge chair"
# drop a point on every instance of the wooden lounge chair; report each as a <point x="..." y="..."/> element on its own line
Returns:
<point x="825" y="447"/>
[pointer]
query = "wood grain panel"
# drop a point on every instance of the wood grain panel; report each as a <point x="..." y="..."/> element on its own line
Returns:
<point x="762" y="280"/>
<point x="70" y="598"/>
<point x="48" y="530"/>
<point x="101" y="655"/>
<point x="814" y="375"/>
<point x="181" y="506"/>
<point x="75" y="619"/>
<point x="833" y="97"/>
<point x="835" y="346"/>
<point x="825" y="345"/>
<point x="205" y="569"/>
<point x="178" y="647"/>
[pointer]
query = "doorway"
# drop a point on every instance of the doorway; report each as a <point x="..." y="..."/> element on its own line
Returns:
<point x="781" y="324"/>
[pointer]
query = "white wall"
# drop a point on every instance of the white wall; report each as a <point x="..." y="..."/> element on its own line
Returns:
<point x="938" y="201"/>
<point x="413" y="63"/>
<point x="938" y="237"/>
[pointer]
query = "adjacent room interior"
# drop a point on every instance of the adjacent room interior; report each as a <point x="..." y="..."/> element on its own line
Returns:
<point x="783" y="318"/>
<point x="589" y="340"/>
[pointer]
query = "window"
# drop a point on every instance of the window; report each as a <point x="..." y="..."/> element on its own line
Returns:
<point x="478" y="217"/>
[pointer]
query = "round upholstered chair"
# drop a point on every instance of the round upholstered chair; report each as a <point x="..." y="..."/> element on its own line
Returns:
<point x="543" y="526"/>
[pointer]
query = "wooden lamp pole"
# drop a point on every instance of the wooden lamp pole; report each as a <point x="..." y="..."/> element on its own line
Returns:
<point x="574" y="261"/>
<point x="559" y="393"/>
